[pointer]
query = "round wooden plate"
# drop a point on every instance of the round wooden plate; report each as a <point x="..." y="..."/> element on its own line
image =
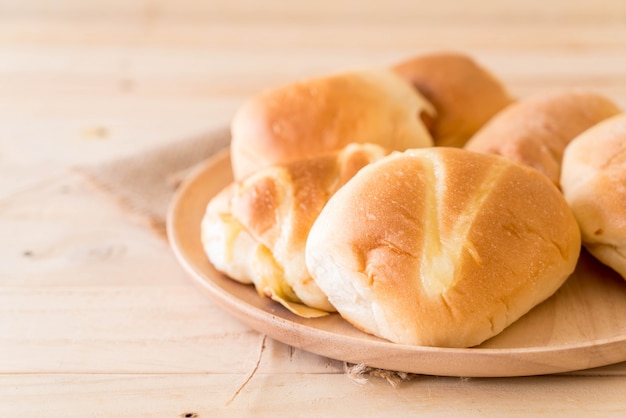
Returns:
<point x="582" y="326"/>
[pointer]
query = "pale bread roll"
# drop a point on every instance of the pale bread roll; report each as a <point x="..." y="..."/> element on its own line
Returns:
<point x="535" y="131"/>
<point x="323" y="114"/>
<point x="593" y="181"/>
<point x="442" y="246"/>
<point x="255" y="230"/>
<point x="464" y="93"/>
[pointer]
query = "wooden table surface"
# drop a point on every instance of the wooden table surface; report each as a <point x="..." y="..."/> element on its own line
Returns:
<point x="97" y="318"/>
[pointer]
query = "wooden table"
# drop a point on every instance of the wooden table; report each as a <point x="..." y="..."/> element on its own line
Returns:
<point x="97" y="318"/>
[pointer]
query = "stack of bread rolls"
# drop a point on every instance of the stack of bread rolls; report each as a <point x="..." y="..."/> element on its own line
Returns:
<point x="421" y="202"/>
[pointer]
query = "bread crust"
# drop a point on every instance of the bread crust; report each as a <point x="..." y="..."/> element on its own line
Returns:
<point x="324" y="114"/>
<point x="442" y="246"/>
<point x="593" y="181"/>
<point x="255" y="230"/>
<point x="464" y="93"/>
<point x="535" y="131"/>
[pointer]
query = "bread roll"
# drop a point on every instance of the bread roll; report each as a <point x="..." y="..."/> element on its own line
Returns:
<point x="536" y="130"/>
<point x="255" y="230"/>
<point x="593" y="181"/>
<point x="442" y="246"/>
<point x="464" y="94"/>
<point x="315" y="116"/>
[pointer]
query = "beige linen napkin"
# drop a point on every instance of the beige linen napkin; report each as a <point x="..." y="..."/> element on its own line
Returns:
<point x="144" y="184"/>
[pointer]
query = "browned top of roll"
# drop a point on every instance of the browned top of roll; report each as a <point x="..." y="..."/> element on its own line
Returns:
<point x="323" y="114"/>
<point x="442" y="246"/>
<point x="255" y="230"/>
<point x="535" y="131"/>
<point x="465" y="94"/>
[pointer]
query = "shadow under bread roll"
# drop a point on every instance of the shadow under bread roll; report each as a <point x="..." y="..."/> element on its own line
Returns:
<point x="535" y="131"/>
<point x="255" y="229"/>
<point x="442" y="246"/>
<point x="593" y="181"/>
<point x="324" y="114"/>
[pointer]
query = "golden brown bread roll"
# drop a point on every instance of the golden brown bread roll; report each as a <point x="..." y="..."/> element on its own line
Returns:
<point x="593" y="181"/>
<point x="535" y="131"/>
<point x="315" y="116"/>
<point x="442" y="246"/>
<point x="464" y="94"/>
<point x="255" y="230"/>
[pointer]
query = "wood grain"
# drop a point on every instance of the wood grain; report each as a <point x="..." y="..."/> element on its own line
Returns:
<point x="98" y="318"/>
<point x="285" y="395"/>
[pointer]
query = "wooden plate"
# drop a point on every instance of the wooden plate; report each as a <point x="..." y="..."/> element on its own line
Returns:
<point x="582" y="326"/>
